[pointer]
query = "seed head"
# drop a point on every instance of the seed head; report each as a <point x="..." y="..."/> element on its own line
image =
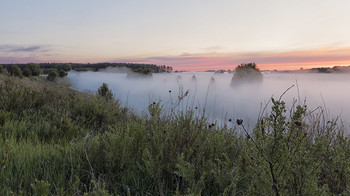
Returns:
<point x="239" y="121"/>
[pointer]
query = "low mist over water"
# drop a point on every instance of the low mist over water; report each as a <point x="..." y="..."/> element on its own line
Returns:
<point x="213" y="92"/>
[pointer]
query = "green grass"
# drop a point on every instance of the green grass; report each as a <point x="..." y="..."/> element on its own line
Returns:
<point x="57" y="141"/>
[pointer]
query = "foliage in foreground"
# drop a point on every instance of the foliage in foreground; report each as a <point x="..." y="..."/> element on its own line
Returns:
<point x="57" y="141"/>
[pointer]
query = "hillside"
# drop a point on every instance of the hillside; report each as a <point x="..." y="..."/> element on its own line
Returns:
<point x="58" y="141"/>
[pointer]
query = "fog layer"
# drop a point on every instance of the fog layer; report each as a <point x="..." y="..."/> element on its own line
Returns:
<point x="213" y="92"/>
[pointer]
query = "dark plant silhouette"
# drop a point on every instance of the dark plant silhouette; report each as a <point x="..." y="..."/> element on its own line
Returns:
<point x="105" y="92"/>
<point x="52" y="75"/>
<point x="246" y="73"/>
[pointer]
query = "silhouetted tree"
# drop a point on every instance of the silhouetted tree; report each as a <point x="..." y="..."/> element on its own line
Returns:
<point x="105" y="92"/>
<point x="246" y="72"/>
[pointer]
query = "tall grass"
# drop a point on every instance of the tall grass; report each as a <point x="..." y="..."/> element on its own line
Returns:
<point x="57" y="141"/>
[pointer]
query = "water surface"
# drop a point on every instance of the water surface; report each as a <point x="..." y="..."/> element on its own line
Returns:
<point x="213" y="92"/>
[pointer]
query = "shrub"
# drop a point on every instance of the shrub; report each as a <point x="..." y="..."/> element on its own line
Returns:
<point x="27" y="72"/>
<point x="105" y="92"/>
<point x="16" y="71"/>
<point x="246" y="73"/>
<point x="284" y="157"/>
<point x="52" y="75"/>
<point x="34" y="68"/>
<point x="62" y="73"/>
<point x="4" y="116"/>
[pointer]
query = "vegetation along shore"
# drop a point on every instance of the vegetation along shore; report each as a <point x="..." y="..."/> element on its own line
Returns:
<point x="58" y="141"/>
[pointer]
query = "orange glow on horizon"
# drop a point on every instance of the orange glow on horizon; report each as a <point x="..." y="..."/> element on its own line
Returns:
<point x="292" y="60"/>
<point x="265" y="67"/>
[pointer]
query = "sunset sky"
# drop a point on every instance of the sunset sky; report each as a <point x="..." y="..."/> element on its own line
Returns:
<point x="186" y="34"/>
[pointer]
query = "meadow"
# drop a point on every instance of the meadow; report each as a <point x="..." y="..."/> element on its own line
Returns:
<point x="59" y="141"/>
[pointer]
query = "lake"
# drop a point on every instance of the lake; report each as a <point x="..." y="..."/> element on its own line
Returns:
<point x="213" y="92"/>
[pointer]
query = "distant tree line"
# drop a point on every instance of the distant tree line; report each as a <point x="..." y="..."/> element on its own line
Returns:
<point x="335" y="69"/>
<point x="35" y="69"/>
<point x="133" y="66"/>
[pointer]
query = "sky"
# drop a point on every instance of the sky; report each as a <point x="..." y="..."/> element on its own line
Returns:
<point x="191" y="35"/>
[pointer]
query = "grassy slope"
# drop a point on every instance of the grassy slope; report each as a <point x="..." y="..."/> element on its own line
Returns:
<point x="55" y="140"/>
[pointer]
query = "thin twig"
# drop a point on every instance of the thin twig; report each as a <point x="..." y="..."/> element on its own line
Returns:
<point x="285" y="92"/>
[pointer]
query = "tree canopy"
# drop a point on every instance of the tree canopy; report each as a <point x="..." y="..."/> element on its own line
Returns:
<point x="246" y="72"/>
<point x="52" y="75"/>
<point x="16" y="71"/>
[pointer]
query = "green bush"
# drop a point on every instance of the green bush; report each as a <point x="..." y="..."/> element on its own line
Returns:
<point x="62" y="73"/>
<point x="27" y="72"/>
<point x="104" y="92"/>
<point x="34" y="68"/>
<point x="52" y="75"/>
<point x="16" y="71"/>
<point x="4" y="117"/>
